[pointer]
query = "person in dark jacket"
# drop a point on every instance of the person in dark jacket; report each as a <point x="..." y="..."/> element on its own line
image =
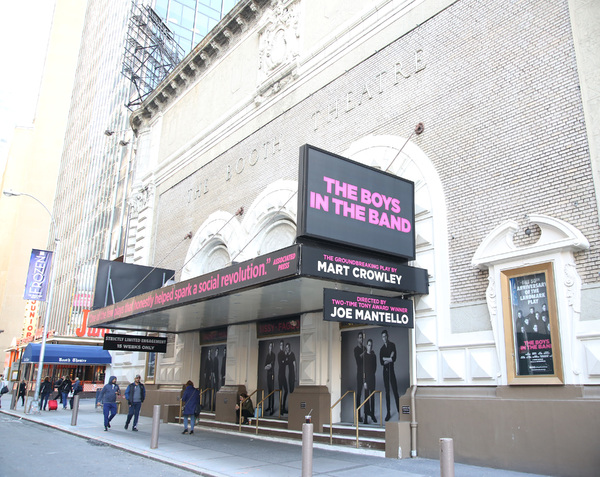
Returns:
<point x="58" y="384"/>
<point x="190" y="400"/>
<point x="22" y="392"/>
<point x="65" y="389"/>
<point x="108" y="397"/>
<point x="135" y="395"/>
<point x="247" y="408"/>
<point x="45" y="390"/>
<point x="77" y="388"/>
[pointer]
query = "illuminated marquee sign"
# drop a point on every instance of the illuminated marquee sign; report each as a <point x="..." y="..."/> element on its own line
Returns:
<point x="342" y="201"/>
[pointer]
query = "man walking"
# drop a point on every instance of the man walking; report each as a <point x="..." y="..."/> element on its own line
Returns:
<point x="135" y="395"/>
<point x="108" y="397"/>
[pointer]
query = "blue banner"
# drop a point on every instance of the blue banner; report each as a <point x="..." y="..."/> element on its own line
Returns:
<point x="38" y="275"/>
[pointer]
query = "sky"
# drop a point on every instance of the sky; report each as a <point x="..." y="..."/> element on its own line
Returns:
<point x="24" y="32"/>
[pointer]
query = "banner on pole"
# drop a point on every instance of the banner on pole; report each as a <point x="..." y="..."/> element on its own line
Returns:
<point x="38" y="275"/>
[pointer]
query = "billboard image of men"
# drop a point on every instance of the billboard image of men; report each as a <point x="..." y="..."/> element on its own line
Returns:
<point x="270" y="369"/>
<point x="208" y="365"/>
<point x="281" y="379"/>
<point x="369" y="386"/>
<point x="290" y="361"/>
<point x="223" y="366"/>
<point x="359" y="353"/>
<point x="216" y="377"/>
<point x="387" y="358"/>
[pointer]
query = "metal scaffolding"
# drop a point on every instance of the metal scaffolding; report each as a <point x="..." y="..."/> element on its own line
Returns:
<point x="151" y="53"/>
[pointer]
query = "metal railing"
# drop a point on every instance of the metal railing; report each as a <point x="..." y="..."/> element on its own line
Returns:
<point x="261" y="405"/>
<point x="331" y="414"/>
<point x="240" y="409"/>
<point x="357" y="410"/>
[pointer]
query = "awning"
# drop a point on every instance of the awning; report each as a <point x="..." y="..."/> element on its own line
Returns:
<point x="283" y="283"/>
<point x="66" y="354"/>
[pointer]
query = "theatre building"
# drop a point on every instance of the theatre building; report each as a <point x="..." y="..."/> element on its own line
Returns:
<point x="386" y="198"/>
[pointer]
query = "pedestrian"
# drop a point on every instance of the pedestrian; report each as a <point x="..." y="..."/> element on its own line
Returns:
<point x="22" y="392"/>
<point x="45" y="390"/>
<point x="3" y="388"/>
<point x="191" y="401"/>
<point x="65" y="388"/>
<point x="247" y="408"/>
<point x="77" y="388"/>
<point x="135" y="395"/>
<point x="108" y="397"/>
<point x="58" y="384"/>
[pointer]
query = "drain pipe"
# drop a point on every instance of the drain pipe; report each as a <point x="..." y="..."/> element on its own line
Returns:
<point x="413" y="422"/>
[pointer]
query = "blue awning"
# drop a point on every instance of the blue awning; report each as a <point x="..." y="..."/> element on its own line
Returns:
<point x="66" y="354"/>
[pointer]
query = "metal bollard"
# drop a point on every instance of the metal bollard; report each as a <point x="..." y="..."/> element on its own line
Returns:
<point x="75" y="410"/>
<point x="446" y="457"/>
<point x="307" y="448"/>
<point x="155" y="426"/>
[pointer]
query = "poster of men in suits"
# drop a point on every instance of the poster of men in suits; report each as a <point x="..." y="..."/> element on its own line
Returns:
<point x="375" y="359"/>
<point x="212" y="372"/>
<point x="278" y="370"/>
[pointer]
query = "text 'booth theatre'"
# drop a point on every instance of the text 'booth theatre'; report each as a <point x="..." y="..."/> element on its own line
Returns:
<point x="386" y="218"/>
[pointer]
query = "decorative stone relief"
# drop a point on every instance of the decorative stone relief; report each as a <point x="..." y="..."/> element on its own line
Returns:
<point x="141" y="199"/>
<point x="482" y="363"/>
<point x="453" y="365"/>
<point x="279" y="46"/>
<point x="592" y="357"/>
<point x="427" y="366"/>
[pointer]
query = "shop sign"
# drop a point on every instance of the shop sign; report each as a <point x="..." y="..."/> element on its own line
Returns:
<point x="265" y="329"/>
<point x="345" y="202"/>
<point x="148" y="344"/>
<point x="31" y="315"/>
<point x="357" y="308"/>
<point x="213" y="336"/>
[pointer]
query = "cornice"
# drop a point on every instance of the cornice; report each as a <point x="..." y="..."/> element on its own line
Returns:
<point x="228" y="32"/>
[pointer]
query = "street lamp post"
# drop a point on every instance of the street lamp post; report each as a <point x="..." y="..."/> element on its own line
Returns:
<point x="38" y="380"/>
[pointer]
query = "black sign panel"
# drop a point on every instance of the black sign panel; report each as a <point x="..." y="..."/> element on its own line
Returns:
<point x="260" y="270"/>
<point x="358" y="308"/>
<point x="285" y="326"/>
<point x="365" y="270"/>
<point x="116" y="281"/>
<point x="149" y="344"/>
<point x="342" y="201"/>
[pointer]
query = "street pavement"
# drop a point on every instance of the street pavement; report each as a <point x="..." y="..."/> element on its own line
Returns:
<point x="223" y="453"/>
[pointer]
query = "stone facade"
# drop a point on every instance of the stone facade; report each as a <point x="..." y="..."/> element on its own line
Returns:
<point x="503" y="176"/>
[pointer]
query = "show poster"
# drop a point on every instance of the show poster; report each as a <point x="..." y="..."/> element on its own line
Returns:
<point x="213" y="366"/>
<point x="358" y="308"/>
<point x="375" y="359"/>
<point x="38" y="275"/>
<point x="531" y="322"/>
<point x="278" y="373"/>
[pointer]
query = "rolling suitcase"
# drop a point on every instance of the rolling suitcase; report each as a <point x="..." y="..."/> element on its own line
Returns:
<point x="52" y="405"/>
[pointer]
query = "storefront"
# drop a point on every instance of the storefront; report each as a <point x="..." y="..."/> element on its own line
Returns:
<point x="88" y="363"/>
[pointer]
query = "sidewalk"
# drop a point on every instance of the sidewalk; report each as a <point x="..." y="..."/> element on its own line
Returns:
<point x="219" y="454"/>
